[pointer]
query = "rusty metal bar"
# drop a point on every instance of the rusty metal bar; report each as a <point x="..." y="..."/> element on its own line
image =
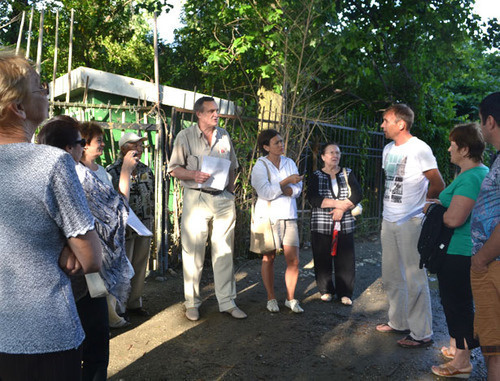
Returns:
<point x="100" y="106"/>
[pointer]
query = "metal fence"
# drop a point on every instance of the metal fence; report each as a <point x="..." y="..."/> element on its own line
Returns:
<point x="361" y="148"/>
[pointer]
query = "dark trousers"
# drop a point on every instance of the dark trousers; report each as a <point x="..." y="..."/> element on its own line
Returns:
<point x="456" y="298"/>
<point x="93" y="314"/>
<point x="55" y="366"/>
<point x="343" y="262"/>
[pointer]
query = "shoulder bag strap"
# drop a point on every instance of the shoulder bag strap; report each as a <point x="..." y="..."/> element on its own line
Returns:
<point x="269" y="178"/>
<point x="344" y="171"/>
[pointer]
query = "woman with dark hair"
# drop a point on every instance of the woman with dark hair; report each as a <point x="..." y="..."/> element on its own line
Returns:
<point x="94" y="147"/>
<point x="94" y="138"/>
<point x="333" y="192"/>
<point x="466" y="151"/>
<point x="276" y="180"/>
<point x="110" y="211"/>
<point x="43" y="210"/>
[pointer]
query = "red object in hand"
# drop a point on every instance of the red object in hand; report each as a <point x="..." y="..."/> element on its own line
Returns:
<point x="335" y="241"/>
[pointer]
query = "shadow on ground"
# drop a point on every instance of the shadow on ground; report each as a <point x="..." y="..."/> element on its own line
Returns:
<point x="328" y="341"/>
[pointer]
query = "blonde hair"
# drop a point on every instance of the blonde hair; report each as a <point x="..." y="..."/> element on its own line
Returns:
<point x="15" y="73"/>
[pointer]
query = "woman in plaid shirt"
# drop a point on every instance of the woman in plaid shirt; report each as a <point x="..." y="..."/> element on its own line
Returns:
<point x="332" y="225"/>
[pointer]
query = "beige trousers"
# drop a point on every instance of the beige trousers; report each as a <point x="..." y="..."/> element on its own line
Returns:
<point x="137" y="249"/>
<point x="200" y="210"/>
<point x="405" y="283"/>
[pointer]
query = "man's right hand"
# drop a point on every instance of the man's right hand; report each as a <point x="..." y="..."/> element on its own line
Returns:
<point x="130" y="161"/>
<point x="201" y="177"/>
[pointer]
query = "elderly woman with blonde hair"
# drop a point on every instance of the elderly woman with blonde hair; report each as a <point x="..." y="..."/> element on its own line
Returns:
<point x="43" y="210"/>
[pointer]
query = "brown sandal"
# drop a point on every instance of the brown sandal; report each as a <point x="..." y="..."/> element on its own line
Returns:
<point x="410" y="342"/>
<point x="447" y="370"/>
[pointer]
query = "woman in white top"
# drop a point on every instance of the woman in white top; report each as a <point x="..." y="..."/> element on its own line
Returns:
<point x="276" y="180"/>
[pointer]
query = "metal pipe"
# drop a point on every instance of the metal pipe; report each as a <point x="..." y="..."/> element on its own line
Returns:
<point x="39" y="47"/>
<point x="70" y="53"/>
<point x="56" y="50"/>
<point x="29" y="34"/>
<point x="19" y="37"/>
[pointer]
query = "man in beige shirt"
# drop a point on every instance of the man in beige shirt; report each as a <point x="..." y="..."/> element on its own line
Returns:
<point x="203" y="206"/>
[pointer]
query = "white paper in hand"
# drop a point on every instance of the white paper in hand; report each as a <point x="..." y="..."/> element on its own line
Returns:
<point x="218" y="169"/>
<point x="135" y="223"/>
<point x="96" y="286"/>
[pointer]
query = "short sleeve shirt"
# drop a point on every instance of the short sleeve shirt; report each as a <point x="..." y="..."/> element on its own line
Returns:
<point x="190" y="146"/>
<point x="42" y="204"/>
<point x="486" y="212"/>
<point x="466" y="184"/>
<point x="405" y="182"/>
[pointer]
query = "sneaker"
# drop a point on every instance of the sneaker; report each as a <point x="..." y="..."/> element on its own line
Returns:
<point x="326" y="297"/>
<point x="346" y="301"/>
<point x="272" y="305"/>
<point x="122" y="323"/>
<point x="192" y="313"/>
<point x="294" y="306"/>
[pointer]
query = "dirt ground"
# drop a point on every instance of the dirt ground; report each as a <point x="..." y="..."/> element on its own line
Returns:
<point x="328" y="341"/>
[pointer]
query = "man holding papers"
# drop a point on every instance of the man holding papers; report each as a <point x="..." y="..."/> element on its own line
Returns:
<point x="203" y="159"/>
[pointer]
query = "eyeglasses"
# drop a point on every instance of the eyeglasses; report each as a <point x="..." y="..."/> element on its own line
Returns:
<point x="82" y="142"/>
<point x="44" y="89"/>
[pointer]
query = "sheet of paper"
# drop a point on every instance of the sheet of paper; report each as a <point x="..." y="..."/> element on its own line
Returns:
<point x="96" y="286"/>
<point x="135" y="223"/>
<point x="218" y="169"/>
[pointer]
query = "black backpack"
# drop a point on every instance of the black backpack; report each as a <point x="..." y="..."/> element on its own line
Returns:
<point x="434" y="239"/>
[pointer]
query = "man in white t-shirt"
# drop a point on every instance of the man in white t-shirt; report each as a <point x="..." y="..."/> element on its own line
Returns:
<point x="411" y="177"/>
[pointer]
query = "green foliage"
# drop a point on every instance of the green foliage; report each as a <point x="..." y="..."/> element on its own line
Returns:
<point x="324" y="56"/>
<point x="109" y="35"/>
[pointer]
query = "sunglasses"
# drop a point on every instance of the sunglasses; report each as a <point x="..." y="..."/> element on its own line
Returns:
<point x="82" y="142"/>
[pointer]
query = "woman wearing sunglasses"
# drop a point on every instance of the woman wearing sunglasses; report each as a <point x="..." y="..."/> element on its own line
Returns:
<point x="110" y="211"/>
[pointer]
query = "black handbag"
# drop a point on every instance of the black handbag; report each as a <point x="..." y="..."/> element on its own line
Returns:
<point x="434" y="239"/>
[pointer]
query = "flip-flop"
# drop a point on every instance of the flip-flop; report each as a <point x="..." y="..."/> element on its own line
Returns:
<point x="447" y="370"/>
<point x="445" y="351"/>
<point x="410" y="342"/>
<point x="386" y="328"/>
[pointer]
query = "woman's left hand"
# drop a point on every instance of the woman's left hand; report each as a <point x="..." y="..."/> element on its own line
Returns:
<point x="287" y="191"/>
<point x="337" y="214"/>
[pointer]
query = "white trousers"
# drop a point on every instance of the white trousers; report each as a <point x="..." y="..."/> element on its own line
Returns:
<point x="199" y="211"/>
<point x="406" y="285"/>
